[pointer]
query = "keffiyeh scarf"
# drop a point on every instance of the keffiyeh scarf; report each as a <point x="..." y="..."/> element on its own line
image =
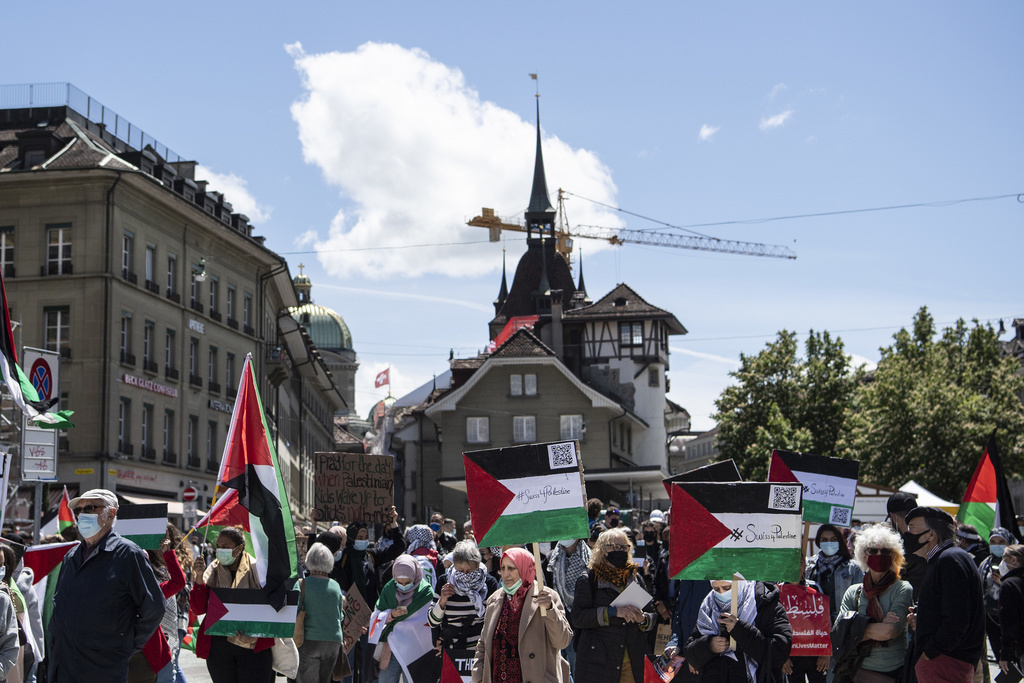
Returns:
<point x="711" y="609"/>
<point x="567" y="570"/>
<point x="419" y="536"/>
<point x="471" y="585"/>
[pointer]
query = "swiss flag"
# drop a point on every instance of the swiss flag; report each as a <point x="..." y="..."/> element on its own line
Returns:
<point x="383" y="377"/>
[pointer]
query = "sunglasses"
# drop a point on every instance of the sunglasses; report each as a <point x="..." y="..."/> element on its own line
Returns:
<point x="89" y="509"/>
<point x="879" y="551"/>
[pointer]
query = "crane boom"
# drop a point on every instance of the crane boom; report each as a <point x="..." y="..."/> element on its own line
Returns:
<point x="564" y="234"/>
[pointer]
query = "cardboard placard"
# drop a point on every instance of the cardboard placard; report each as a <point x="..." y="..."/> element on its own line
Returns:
<point x="354" y="487"/>
<point x="808" y="613"/>
<point x="357" y="615"/>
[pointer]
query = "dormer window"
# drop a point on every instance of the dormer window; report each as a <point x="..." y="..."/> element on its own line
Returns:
<point x="34" y="157"/>
<point x="620" y="302"/>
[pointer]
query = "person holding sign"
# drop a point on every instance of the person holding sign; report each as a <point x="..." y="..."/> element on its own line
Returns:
<point x="518" y="642"/>
<point x="238" y="657"/>
<point x="613" y="641"/>
<point x="760" y="629"/>
<point x="885" y="600"/>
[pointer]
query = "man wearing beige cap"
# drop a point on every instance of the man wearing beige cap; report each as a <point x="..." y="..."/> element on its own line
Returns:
<point x="108" y="601"/>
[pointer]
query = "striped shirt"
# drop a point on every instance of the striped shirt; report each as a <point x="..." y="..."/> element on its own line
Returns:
<point x="458" y="623"/>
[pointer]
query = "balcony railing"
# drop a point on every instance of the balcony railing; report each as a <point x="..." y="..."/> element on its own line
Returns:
<point x="232" y="393"/>
<point x="55" y="268"/>
<point x="214" y="387"/>
<point x="193" y="462"/>
<point x="129" y="276"/>
<point x="171" y="373"/>
<point x="125" y="448"/>
<point x="216" y="315"/>
<point x="128" y="358"/>
<point x="149" y="366"/>
<point x="232" y="323"/>
<point x="173" y="296"/>
<point x="212" y="466"/>
<point x="195" y="380"/>
<point x="152" y="287"/>
<point x="249" y="331"/>
<point x="148" y="454"/>
<point x="9" y="270"/>
<point x="170" y="458"/>
<point x="196" y="306"/>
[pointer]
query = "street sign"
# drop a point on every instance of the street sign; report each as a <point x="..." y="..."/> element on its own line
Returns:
<point x="38" y="445"/>
<point x="189" y="494"/>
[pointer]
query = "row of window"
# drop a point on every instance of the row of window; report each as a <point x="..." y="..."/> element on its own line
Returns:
<point x="170" y="353"/>
<point x="524" y="428"/>
<point x="211" y="447"/>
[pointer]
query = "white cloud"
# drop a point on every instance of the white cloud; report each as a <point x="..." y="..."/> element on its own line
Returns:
<point x="409" y="296"/>
<point x="415" y="150"/>
<point x="236" y="192"/>
<point x="771" y="122"/>
<point x="856" y="360"/>
<point x="735" y="362"/>
<point x="707" y="132"/>
<point x="779" y="87"/>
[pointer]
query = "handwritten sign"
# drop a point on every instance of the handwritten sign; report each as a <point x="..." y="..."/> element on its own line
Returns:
<point x="357" y="616"/>
<point x="808" y="613"/>
<point x="354" y="487"/>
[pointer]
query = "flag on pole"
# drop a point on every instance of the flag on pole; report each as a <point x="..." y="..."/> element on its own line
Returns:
<point x="188" y="641"/>
<point x="250" y="466"/>
<point x="751" y="528"/>
<point x="22" y="392"/>
<point x="987" y="501"/>
<point x="225" y="512"/>
<point x="65" y="517"/>
<point x="231" y="610"/>
<point x="527" y="494"/>
<point x="144" y="525"/>
<point x="830" y="484"/>
<point x="383" y="377"/>
<point x="43" y="559"/>
<point x="724" y="470"/>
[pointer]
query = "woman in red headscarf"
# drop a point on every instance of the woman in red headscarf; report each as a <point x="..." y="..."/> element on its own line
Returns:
<point x="518" y="644"/>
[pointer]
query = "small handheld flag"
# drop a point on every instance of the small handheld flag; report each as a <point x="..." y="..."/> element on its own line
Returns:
<point x="144" y="525"/>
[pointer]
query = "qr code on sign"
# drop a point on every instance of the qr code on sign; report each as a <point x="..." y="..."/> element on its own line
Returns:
<point x="784" y="498"/>
<point x="562" y="455"/>
<point x="839" y="516"/>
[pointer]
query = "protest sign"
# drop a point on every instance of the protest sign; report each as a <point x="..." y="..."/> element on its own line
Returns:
<point x="357" y="616"/>
<point x="354" y="487"/>
<point x="527" y="494"/>
<point x="830" y="484"/>
<point x="808" y="613"/>
<point x="457" y="666"/>
<point x="725" y="470"/>
<point x="719" y="529"/>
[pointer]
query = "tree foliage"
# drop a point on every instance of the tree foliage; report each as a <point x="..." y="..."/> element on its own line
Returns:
<point x="785" y="401"/>
<point x="930" y="405"/>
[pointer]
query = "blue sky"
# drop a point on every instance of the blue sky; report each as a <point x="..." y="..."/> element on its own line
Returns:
<point x="360" y="125"/>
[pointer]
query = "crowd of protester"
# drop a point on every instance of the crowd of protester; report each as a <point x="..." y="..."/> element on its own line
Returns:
<point x="911" y="600"/>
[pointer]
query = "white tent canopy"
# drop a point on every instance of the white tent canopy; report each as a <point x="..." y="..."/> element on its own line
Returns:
<point x="927" y="498"/>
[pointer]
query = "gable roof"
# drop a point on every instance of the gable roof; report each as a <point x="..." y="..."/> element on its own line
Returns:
<point x="624" y="303"/>
<point x="522" y="343"/>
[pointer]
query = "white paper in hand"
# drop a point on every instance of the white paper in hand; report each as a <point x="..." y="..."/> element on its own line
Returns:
<point x="633" y="595"/>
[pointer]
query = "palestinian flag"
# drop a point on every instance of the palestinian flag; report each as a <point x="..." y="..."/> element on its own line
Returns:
<point x="250" y="467"/>
<point x="227" y="511"/>
<point x="830" y="484"/>
<point x="22" y="392"/>
<point x="658" y="670"/>
<point x="457" y="666"/>
<point x="43" y="559"/>
<point x="987" y="501"/>
<point x="725" y="470"/>
<point x="188" y="641"/>
<point x="244" y="609"/>
<point x="411" y="644"/>
<point x="750" y="528"/>
<point x="65" y="518"/>
<point x="527" y="494"/>
<point x="144" y="525"/>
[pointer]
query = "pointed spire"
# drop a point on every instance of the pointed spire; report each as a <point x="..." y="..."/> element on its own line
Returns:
<point x="540" y="212"/>
<point x="503" y="294"/>
<point x="544" y="287"/>
<point x="581" y="287"/>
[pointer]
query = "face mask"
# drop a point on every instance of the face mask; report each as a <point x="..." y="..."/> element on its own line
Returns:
<point x="997" y="550"/>
<point x="88" y="525"/>
<point x="830" y="547"/>
<point x="912" y="542"/>
<point x="641" y="543"/>
<point x="649" y="536"/>
<point x="880" y="563"/>
<point x="405" y="588"/>
<point x="337" y="555"/>
<point x="1004" y="568"/>
<point x="613" y="522"/>
<point x="618" y="558"/>
<point x="724" y="598"/>
<point x="566" y="544"/>
<point x="435" y="527"/>
<point x="3" y="572"/>
<point x="226" y="556"/>
<point x="361" y="545"/>
<point x="511" y="590"/>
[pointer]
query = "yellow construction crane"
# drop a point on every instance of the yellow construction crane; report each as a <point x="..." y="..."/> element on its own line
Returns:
<point x="564" y="236"/>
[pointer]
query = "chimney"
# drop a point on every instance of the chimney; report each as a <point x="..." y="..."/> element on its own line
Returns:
<point x="556" y="322"/>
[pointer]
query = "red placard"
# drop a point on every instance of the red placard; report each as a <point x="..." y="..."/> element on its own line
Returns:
<point x="808" y="613"/>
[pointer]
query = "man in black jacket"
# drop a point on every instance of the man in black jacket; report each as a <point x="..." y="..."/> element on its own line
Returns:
<point x="108" y="601"/>
<point x="915" y="567"/>
<point x="950" y="618"/>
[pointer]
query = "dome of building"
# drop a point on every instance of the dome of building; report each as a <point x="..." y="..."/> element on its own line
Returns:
<point x="326" y="328"/>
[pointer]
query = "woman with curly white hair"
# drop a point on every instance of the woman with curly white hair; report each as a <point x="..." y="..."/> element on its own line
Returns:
<point x="884" y="598"/>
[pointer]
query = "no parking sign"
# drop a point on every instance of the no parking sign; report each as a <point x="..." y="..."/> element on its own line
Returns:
<point x="38" y="445"/>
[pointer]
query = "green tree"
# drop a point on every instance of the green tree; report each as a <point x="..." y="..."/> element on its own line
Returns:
<point x="929" y="407"/>
<point x="783" y="401"/>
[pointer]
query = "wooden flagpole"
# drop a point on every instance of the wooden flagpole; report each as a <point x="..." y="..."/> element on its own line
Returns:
<point x="540" y="576"/>
<point x="737" y="580"/>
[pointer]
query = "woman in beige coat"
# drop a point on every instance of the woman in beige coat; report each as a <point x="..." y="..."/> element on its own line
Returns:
<point x="517" y="644"/>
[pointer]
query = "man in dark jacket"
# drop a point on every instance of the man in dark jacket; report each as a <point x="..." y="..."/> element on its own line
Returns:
<point x="898" y="505"/>
<point x="950" y="619"/>
<point x="107" y="603"/>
